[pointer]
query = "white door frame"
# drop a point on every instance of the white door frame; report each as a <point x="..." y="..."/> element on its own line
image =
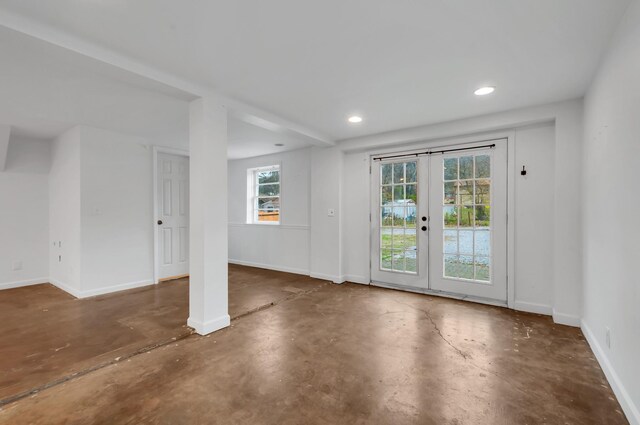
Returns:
<point x="510" y="135"/>
<point x="156" y="236"/>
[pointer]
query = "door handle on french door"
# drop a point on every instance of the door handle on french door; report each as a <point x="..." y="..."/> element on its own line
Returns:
<point x="424" y="218"/>
<point x="159" y="222"/>
<point x="424" y="228"/>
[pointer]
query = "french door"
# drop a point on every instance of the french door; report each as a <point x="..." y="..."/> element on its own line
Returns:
<point x="400" y="196"/>
<point x="443" y="229"/>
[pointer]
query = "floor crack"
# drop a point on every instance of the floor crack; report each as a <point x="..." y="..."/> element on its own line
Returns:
<point x="460" y="352"/>
<point x="437" y="329"/>
<point x="11" y="399"/>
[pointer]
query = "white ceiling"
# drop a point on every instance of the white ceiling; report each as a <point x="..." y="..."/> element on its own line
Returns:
<point x="398" y="63"/>
<point x="247" y="140"/>
<point x="45" y="90"/>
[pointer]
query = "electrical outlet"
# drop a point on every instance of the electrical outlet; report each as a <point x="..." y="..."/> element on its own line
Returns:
<point x="16" y="265"/>
<point x="331" y="212"/>
<point x="608" y="338"/>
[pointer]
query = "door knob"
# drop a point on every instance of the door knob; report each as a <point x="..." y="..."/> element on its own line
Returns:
<point x="424" y="228"/>
<point x="159" y="222"/>
<point x="424" y="218"/>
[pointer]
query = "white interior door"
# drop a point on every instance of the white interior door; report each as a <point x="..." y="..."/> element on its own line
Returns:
<point x="468" y="249"/>
<point x="173" y="215"/>
<point x="399" y="211"/>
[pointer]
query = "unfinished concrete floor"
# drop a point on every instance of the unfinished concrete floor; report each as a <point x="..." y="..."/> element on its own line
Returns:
<point x="343" y="354"/>
<point x="48" y="335"/>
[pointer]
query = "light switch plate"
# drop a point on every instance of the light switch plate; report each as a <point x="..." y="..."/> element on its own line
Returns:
<point x="16" y="265"/>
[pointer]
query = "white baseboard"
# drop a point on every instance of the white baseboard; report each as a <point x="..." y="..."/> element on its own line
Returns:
<point x="566" y="319"/>
<point x="356" y="279"/>
<point x="322" y="276"/>
<point x="210" y="326"/>
<point x="21" y="283"/>
<point x="66" y="288"/>
<point x="100" y="291"/>
<point x="115" y="288"/>
<point x="533" y="308"/>
<point x="628" y="406"/>
<point x="270" y="267"/>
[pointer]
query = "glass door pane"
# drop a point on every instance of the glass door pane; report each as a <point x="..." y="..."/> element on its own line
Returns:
<point x="466" y="206"/>
<point x="399" y="195"/>
<point x="398" y="206"/>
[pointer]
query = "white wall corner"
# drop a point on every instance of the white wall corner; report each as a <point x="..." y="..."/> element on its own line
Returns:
<point x="631" y="410"/>
<point x="533" y="308"/>
<point x="566" y="319"/>
<point x="5" y="134"/>
<point x="210" y="326"/>
<point x="356" y="279"/>
<point x="331" y="278"/>
<point x="66" y="288"/>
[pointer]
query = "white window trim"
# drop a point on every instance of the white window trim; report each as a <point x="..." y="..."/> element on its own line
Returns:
<point x="252" y="197"/>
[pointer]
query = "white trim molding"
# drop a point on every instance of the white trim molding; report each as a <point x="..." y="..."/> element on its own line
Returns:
<point x="626" y="402"/>
<point x="21" y="283"/>
<point x="66" y="288"/>
<point x="210" y="326"/>
<point x="269" y="267"/>
<point x="352" y="278"/>
<point x="115" y="288"/>
<point x="278" y="226"/>
<point x="322" y="276"/>
<point x="100" y="291"/>
<point x="533" y="308"/>
<point x="566" y="319"/>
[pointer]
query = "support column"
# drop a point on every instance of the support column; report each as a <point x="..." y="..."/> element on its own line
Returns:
<point x="208" y="281"/>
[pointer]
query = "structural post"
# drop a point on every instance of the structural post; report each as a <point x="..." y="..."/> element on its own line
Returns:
<point x="208" y="281"/>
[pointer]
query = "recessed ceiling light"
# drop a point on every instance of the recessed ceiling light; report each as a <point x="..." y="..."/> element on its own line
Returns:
<point x="279" y="144"/>
<point x="482" y="91"/>
<point x="355" y="119"/>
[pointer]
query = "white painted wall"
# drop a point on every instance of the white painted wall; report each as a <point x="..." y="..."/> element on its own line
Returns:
<point x="547" y="267"/>
<point x="547" y="289"/>
<point x="116" y="211"/>
<point x="28" y="156"/>
<point x="534" y="219"/>
<point x="534" y="147"/>
<point x="355" y="209"/>
<point x="24" y="213"/>
<point x="610" y="205"/>
<point x="284" y="247"/>
<point x="64" y="212"/>
<point x="100" y="212"/>
<point x="326" y="231"/>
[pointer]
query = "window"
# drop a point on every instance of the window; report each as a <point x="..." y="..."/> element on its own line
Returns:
<point x="263" y="197"/>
